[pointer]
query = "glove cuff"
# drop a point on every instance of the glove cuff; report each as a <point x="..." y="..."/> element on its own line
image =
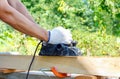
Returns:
<point x="49" y="36"/>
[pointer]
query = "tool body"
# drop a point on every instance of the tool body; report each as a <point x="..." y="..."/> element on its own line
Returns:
<point x="60" y="49"/>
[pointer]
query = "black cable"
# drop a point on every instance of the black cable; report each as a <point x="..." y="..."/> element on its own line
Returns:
<point x="32" y="60"/>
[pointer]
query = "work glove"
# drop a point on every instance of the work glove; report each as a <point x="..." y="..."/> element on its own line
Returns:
<point x="60" y="35"/>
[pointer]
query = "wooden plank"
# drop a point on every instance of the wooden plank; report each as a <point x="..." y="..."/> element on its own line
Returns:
<point x="86" y="77"/>
<point x="90" y="77"/>
<point x="103" y="66"/>
<point x="6" y="70"/>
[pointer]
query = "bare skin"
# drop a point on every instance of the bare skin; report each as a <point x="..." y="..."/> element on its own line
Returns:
<point x="14" y="13"/>
<point x="21" y="8"/>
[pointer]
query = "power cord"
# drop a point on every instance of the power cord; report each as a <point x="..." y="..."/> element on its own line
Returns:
<point x="28" y="72"/>
<point x="32" y="60"/>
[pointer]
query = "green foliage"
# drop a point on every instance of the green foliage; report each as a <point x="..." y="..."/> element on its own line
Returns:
<point x="97" y="44"/>
<point x="93" y="23"/>
<point x="14" y="41"/>
<point x="76" y="13"/>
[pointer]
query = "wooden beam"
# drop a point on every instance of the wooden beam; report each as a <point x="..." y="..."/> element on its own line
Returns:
<point x="6" y="70"/>
<point x="88" y="77"/>
<point x="103" y="66"/>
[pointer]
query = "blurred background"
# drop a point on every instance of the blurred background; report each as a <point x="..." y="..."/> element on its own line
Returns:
<point x="95" y="24"/>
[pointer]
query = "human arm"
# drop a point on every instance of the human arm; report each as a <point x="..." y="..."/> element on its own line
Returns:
<point x="17" y="4"/>
<point x="18" y="21"/>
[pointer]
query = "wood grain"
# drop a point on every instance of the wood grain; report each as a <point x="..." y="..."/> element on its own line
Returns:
<point x="103" y="66"/>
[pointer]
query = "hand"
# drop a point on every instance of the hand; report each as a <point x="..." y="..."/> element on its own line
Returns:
<point x="60" y="35"/>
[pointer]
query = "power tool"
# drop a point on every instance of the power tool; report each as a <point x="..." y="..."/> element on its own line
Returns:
<point x="60" y="49"/>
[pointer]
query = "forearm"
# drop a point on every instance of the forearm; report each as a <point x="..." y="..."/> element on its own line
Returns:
<point x="21" y="8"/>
<point x="21" y="23"/>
